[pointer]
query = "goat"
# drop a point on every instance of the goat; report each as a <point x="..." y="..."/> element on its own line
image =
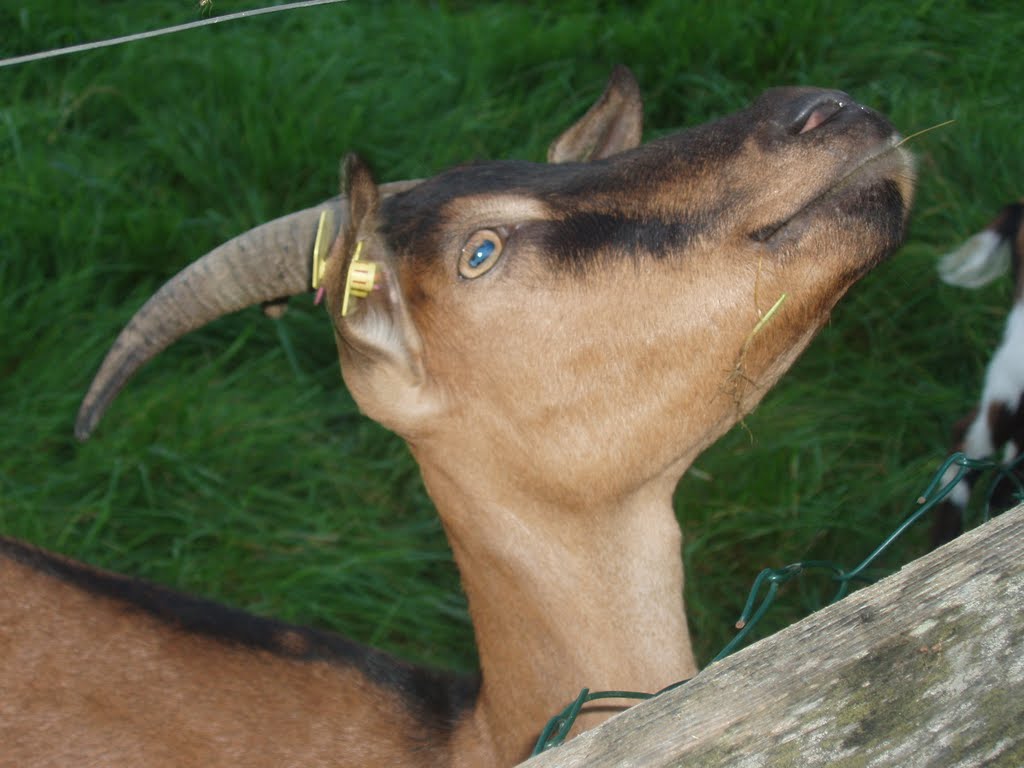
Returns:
<point x="556" y="343"/>
<point x="995" y="428"/>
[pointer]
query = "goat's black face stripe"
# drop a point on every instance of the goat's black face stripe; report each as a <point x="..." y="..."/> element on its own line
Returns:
<point x="584" y="236"/>
<point x="573" y="236"/>
<point x="411" y="220"/>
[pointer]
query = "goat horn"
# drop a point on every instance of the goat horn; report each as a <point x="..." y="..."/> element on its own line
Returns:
<point x="271" y="261"/>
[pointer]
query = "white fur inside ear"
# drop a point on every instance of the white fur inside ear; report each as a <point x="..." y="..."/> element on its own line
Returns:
<point x="979" y="261"/>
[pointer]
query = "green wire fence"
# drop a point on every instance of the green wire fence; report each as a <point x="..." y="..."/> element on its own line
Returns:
<point x="770" y="580"/>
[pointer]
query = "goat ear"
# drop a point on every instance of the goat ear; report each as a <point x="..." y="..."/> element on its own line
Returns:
<point x="358" y="186"/>
<point x="379" y="348"/>
<point x="613" y="124"/>
<point x="984" y="257"/>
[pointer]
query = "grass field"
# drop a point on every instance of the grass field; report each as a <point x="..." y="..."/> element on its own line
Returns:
<point x="236" y="466"/>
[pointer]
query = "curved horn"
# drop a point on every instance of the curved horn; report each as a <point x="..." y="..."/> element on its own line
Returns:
<point x="271" y="261"/>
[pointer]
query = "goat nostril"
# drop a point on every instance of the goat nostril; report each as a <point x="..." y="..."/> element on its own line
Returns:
<point x="820" y="114"/>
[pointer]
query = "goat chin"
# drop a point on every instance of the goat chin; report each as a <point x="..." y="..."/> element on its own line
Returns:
<point x="556" y="342"/>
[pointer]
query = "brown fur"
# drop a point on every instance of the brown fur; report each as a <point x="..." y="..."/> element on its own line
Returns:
<point x="552" y="404"/>
<point x="90" y="680"/>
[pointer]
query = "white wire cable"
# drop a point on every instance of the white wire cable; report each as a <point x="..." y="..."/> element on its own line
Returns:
<point x="158" y="32"/>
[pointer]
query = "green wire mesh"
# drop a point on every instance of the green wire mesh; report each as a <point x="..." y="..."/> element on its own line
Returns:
<point x="770" y="580"/>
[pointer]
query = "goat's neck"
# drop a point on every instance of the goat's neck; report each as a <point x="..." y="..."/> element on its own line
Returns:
<point x="562" y="599"/>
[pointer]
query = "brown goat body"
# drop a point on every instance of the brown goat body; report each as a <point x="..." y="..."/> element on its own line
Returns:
<point x="556" y="343"/>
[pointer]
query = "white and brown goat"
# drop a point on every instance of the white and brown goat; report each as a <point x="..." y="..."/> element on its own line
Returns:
<point x="556" y="343"/>
<point x="995" y="427"/>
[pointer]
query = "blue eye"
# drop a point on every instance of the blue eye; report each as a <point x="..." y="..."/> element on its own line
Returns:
<point x="482" y="253"/>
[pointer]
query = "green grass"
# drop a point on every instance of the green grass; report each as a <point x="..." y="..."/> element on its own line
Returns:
<point x="236" y="465"/>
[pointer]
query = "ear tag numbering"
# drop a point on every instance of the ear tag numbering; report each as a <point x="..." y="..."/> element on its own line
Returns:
<point x="362" y="275"/>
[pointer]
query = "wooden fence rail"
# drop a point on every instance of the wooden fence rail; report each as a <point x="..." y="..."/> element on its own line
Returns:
<point x="924" y="668"/>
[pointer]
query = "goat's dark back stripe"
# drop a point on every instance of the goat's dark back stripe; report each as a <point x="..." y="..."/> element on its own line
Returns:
<point x="432" y="696"/>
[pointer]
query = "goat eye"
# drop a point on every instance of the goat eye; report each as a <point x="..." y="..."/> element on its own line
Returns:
<point x="480" y="253"/>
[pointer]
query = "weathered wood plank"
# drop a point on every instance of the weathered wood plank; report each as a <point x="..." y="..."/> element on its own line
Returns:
<point x="924" y="668"/>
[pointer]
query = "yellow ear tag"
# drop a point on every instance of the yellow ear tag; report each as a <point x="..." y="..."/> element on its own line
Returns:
<point x="321" y="247"/>
<point x="360" y="281"/>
